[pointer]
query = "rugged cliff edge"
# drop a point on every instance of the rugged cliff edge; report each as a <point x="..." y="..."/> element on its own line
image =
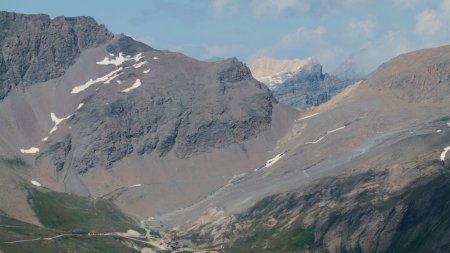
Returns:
<point x="298" y="83"/>
<point x="36" y="48"/>
<point x="91" y="113"/>
<point x="366" y="172"/>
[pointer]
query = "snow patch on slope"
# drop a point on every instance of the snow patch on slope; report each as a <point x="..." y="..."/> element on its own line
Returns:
<point x="36" y="183"/>
<point x="32" y="150"/>
<point x="274" y="160"/>
<point x="140" y="64"/>
<point x="335" y="130"/>
<point x="119" y="60"/>
<point x="307" y="117"/>
<point x="444" y="153"/>
<point x="271" y="162"/>
<point x="136" y="84"/>
<point x="146" y="71"/>
<point x="323" y="137"/>
<point x="316" y="141"/>
<point x="57" y="121"/>
<point x="106" y="79"/>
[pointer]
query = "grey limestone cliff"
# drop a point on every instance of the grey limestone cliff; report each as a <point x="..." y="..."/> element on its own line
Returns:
<point x="310" y="87"/>
<point x="36" y="48"/>
<point x="213" y="107"/>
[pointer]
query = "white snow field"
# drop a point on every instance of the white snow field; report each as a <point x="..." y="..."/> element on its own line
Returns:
<point x="307" y="117"/>
<point x="272" y="161"/>
<point x="335" y="130"/>
<point x="119" y="60"/>
<point x="444" y="153"/>
<point x="32" y="150"/>
<point x="105" y="79"/>
<point x="139" y="64"/>
<point x="36" y="183"/>
<point x="57" y="121"/>
<point x="136" y="84"/>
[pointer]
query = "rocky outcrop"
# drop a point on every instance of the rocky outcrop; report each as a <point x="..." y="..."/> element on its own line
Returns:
<point x="182" y="106"/>
<point x="351" y="213"/>
<point x="36" y="48"/>
<point x="330" y="218"/>
<point x="59" y="152"/>
<point x="103" y="113"/>
<point x="128" y="46"/>
<point x="387" y="195"/>
<point x="213" y="107"/>
<point x="425" y="75"/>
<point x="298" y="83"/>
<point x="273" y="72"/>
<point x="308" y="88"/>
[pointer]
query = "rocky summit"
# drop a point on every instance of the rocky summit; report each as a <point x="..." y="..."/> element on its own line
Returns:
<point x="365" y="172"/>
<point x="91" y="113"/>
<point x="298" y="83"/>
<point x="110" y="145"/>
<point x="36" y="48"/>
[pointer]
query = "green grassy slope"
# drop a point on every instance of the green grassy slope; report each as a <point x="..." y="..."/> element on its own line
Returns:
<point x="72" y="213"/>
<point x="62" y="213"/>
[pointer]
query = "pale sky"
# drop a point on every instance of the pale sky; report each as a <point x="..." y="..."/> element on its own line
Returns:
<point x="331" y="30"/>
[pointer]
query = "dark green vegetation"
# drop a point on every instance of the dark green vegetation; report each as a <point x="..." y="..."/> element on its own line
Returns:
<point x="13" y="230"/>
<point x="73" y="244"/>
<point x="71" y="216"/>
<point x="72" y="213"/>
<point x="14" y="162"/>
<point x="414" y="220"/>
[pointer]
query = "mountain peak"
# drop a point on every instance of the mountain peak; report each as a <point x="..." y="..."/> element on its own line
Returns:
<point x="419" y="76"/>
<point x="264" y="67"/>
<point x="47" y="48"/>
<point x="297" y="83"/>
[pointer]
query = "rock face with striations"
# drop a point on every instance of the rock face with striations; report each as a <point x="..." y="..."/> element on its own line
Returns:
<point x="298" y="83"/>
<point x="214" y="106"/>
<point x="100" y="112"/>
<point x="35" y="48"/>
<point x="368" y="174"/>
<point x="183" y="106"/>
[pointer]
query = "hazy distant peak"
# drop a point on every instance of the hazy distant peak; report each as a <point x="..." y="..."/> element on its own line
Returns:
<point x="264" y="67"/>
<point x="214" y="59"/>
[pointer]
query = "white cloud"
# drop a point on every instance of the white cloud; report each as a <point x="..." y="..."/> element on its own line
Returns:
<point x="330" y="54"/>
<point x="406" y="3"/>
<point x="361" y="28"/>
<point x="428" y="23"/>
<point x="275" y="7"/>
<point x="303" y="35"/>
<point x="431" y="24"/>
<point x="309" y="42"/>
<point x="371" y="55"/>
<point x="225" y="7"/>
<point x="445" y="8"/>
